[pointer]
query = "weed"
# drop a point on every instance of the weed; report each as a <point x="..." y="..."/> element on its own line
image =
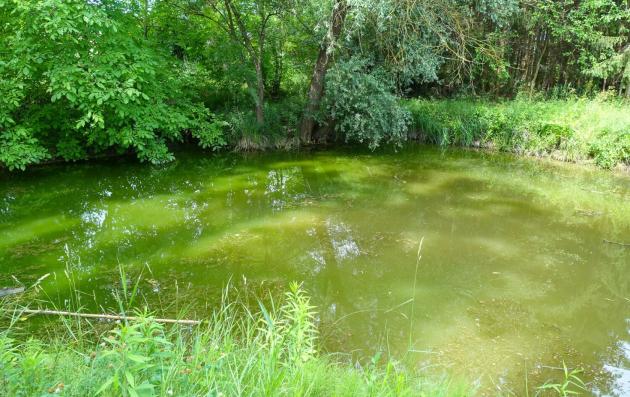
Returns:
<point x="571" y="385"/>
<point x="270" y="352"/>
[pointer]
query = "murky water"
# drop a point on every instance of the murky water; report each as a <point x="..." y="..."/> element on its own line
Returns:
<point x="515" y="275"/>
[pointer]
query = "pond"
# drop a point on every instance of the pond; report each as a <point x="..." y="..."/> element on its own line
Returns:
<point x="515" y="275"/>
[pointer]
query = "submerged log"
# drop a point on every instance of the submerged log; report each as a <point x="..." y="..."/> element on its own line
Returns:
<point x="11" y="291"/>
<point x="617" y="243"/>
<point x="106" y="316"/>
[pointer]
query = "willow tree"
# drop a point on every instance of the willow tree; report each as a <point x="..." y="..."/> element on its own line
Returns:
<point x="409" y="39"/>
<point x="316" y="88"/>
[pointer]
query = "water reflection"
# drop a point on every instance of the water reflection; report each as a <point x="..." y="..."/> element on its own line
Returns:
<point x="93" y="221"/>
<point x="514" y="275"/>
<point x="619" y="372"/>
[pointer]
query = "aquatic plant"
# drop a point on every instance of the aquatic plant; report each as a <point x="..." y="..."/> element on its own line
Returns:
<point x="571" y="384"/>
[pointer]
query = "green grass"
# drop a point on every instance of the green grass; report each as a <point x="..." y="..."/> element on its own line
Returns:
<point x="237" y="352"/>
<point x="568" y="130"/>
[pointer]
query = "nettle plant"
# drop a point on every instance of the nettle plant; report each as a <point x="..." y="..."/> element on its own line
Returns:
<point x="77" y="79"/>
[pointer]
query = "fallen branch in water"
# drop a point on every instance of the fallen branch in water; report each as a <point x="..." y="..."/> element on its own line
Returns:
<point x="11" y="291"/>
<point x="18" y="290"/>
<point x="106" y="316"/>
<point x="617" y="243"/>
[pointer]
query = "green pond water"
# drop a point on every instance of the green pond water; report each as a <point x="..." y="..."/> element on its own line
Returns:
<point x="514" y="279"/>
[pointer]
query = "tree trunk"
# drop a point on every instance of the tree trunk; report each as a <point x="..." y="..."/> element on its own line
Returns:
<point x="316" y="89"/>
<point x="532" y="86"/>
<point x="278" y="70"/>
<point x="145" y="19"/>
<point x="260" y="90"/>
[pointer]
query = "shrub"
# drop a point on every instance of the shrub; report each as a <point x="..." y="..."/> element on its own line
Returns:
<point x="362" y="106"/>
<point x="611" y="149"/>
<point x="18" y="148"/>
<point x="76" y="80"/>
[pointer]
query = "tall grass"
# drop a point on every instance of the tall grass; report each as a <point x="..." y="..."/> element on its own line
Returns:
<point x="272" y="351"/>
<point x="279" y="130"/>
<point x="569" y="130"/>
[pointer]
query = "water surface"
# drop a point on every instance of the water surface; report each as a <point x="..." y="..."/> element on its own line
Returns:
<point x="515" y="276"/>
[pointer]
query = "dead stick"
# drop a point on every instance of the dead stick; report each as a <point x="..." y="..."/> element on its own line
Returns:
<point x="107" y="316"/>
<point x="617" y="243"/>
<point x="11" y="291"/>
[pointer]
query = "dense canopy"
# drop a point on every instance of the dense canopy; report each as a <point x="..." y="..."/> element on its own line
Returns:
<point x="85" y="78"/>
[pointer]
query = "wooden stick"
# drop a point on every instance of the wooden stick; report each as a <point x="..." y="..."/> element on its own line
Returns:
<point x="617" y="243"/>
<point x="107" y="316"/>
<point x="11" y="291"/>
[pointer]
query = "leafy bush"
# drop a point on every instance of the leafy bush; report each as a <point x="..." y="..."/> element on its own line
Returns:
<point x="611" y="149"/>
<point x="18" y="148"/>
<point x="77" y="80"/>
<point x="362" y="106"/>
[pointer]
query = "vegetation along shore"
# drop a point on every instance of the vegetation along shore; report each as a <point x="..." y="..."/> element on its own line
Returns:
<point x="255" y="143"/>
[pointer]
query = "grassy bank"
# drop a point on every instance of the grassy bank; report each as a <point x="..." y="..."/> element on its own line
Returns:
<point x="568" y="130"/>
<point x="237" y="352"/>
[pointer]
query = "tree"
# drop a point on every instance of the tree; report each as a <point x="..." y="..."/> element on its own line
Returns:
<point x="78" y="79"/>
<point x="316" y="88"/>
<point x="551" y="46"/>
<point x="406" y="38"/>
<point x="245" y="23"/>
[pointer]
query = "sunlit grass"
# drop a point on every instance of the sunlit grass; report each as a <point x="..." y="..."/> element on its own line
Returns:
<point x="272" y="351"/>
<point x="571" y="130"/>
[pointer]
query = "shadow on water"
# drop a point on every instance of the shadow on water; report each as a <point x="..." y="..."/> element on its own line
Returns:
<point x="514" y="276"/>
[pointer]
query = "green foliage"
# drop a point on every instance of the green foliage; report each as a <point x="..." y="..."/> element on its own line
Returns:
<point x="571" y="384"/>
<point x="237" y="352"/>
<point x="292" y="326"/>
<point x="361" y="105"/>
<point x="133" y="355"/>
<point x="555" y="47"/>
<point x="405" y="38"/>
<point x="80" y="79"/>
<point x="610" y="149"/>
<point x="567" y="130"/>
<point x="18" y="148"/>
